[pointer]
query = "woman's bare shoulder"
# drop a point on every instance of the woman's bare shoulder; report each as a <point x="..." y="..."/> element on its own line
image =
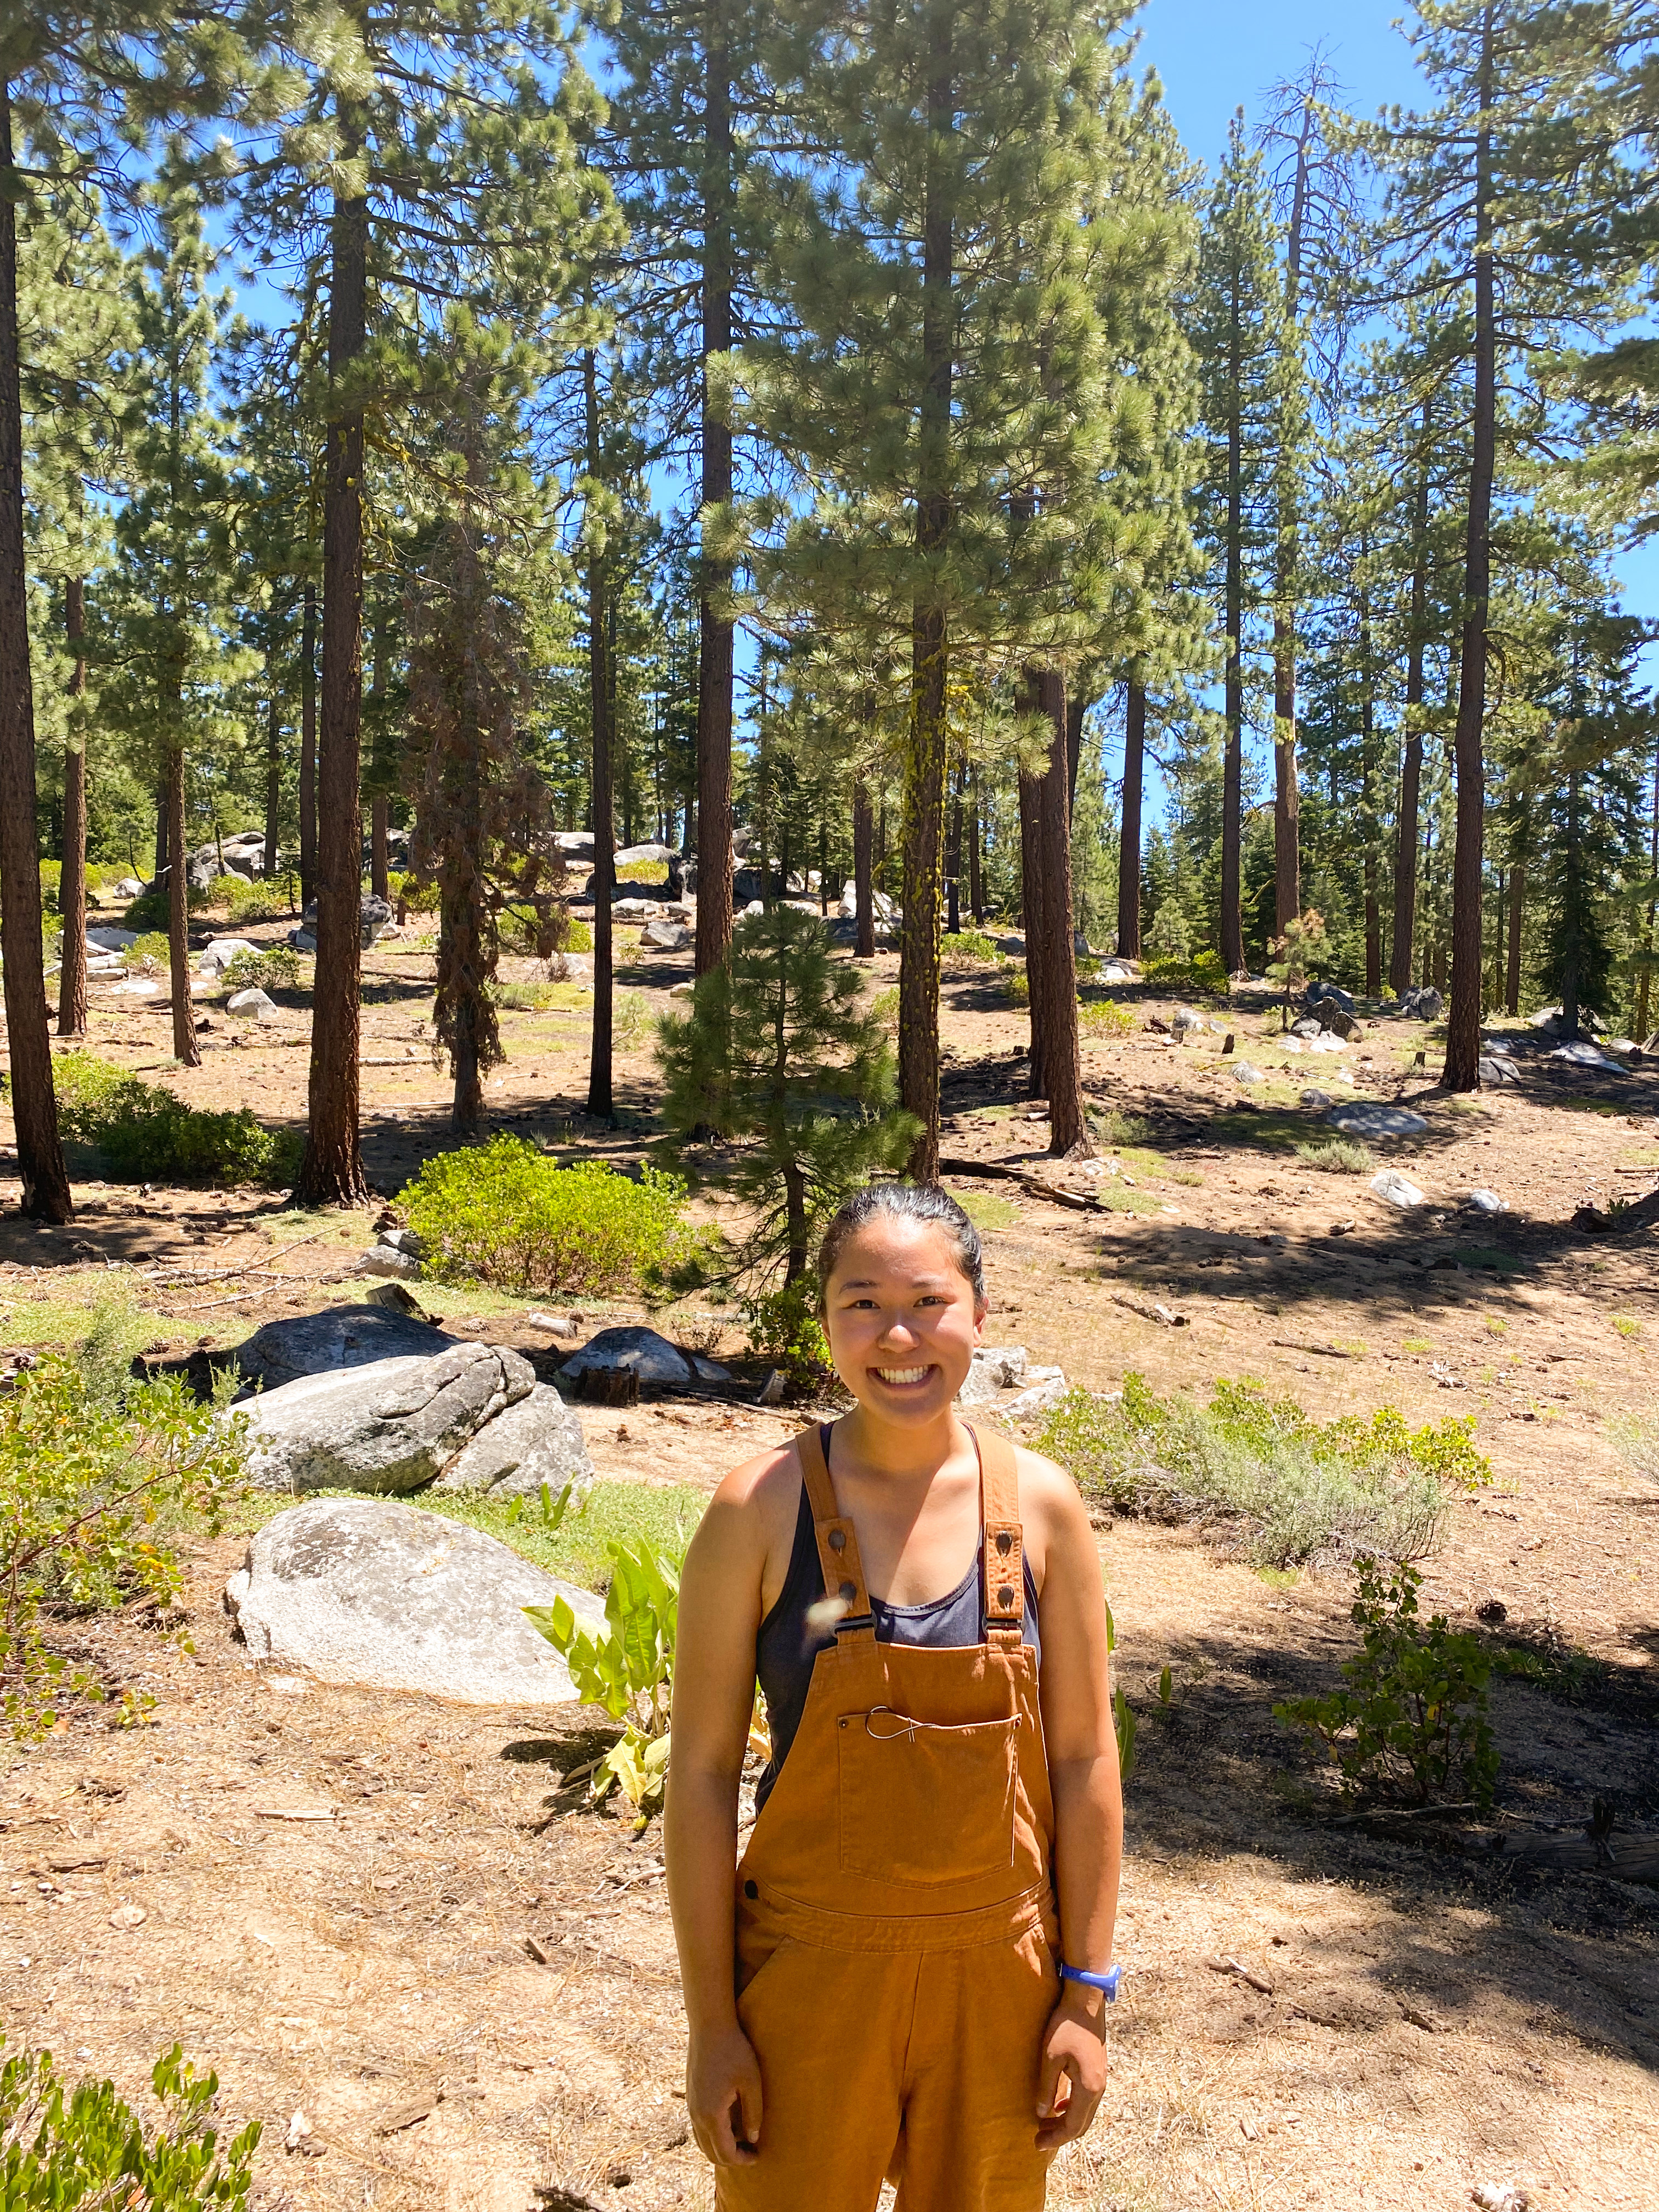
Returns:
<point x="756" y="1503"/>
<point x="1051" y="1509"/>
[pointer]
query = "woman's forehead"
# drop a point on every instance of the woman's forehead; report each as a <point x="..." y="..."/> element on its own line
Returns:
<point x="921" y="1253"/>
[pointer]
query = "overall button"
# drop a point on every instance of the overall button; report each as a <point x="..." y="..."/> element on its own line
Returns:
<point x="751" y="1889"/>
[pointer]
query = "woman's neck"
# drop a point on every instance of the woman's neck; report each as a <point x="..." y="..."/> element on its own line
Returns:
<point x="897" y="1452"/>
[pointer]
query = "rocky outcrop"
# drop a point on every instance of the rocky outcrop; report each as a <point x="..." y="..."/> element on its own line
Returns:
<point x="393" y="1427"/>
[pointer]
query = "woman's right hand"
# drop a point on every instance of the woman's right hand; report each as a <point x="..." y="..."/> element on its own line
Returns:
<point x="723" y="2096"/>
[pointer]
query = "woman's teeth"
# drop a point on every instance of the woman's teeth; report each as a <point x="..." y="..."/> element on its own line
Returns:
<point x="904" y="1374"/>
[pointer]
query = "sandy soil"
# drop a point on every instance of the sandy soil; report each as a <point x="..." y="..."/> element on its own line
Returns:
<point x="1430" y="2022"/>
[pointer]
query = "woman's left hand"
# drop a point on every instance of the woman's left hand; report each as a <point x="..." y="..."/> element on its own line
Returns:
<point x="1074" y="2051"/>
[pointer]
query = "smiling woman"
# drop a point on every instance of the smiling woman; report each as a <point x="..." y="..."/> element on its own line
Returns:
<point x="923" y="1607"/>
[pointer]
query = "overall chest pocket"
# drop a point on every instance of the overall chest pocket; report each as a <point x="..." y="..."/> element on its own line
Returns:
<point x="924" y="1804"/>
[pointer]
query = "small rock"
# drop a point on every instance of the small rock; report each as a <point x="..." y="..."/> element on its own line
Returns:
<point x="538" y="1441"/>
<point x="1488" y="1201"/>
<point x="681" y="990"/>
<point x="1311" y="1097"/>
<point x="1499" y="2197"/>
<point x="994" y="1369"/>
<point x="652" y="1357"/>
<point x="303" y="941"/>
<point x="386" y="1260"/>
<point x="1327" y="1042"/>
<point x="771" y="1391"/>
<point x="1339" y="1021"/>
<point x="1308" y="1026"/>
<point x="216" y="956"/>
<point x="1396" y="1188"/>
<point x="1496" y="1069"/>
<point x="664" y="936"/>
<point x="569" y="968"/>
<point x="251" y="1004"/>
<point x="129" y="888"/>
<point x="1581" y="1053"/>
<point x="403" y="1240"/>
<point x="112" y="940"/>
<point x="1185" y="1022"/>
<point x="1246" y="1070"/>
<point x="1493" y="1611"/>
<point x="1366" y="1117"/>
<point x="128" y="1917"/>
<point x="1041" y="1398"/>
<point x="1320" y="993"/>
<point x="557" y="1325"/>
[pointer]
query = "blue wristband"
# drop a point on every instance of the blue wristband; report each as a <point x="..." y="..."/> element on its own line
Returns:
<point x="1107" y="1981"/>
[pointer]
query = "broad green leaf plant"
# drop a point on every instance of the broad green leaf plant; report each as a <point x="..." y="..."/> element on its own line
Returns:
<point x="85" y="2149"/>
<point x="629" y="1670"/>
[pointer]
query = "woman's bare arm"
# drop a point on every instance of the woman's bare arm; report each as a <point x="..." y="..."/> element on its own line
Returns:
<point x="720" y="1613"/>
<point x="1083" y="1772"/>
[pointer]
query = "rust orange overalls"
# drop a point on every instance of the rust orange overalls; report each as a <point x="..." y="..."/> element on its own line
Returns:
<point x="895" y="1928"/>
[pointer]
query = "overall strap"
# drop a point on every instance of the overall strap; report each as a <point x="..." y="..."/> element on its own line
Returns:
<point x="1004" y="1570"/>
<point x="838" y="1545"/>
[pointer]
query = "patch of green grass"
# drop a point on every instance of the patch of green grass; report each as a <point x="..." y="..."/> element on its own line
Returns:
<point x="1339" y="1155"/>
<point x="1626" y="1324"/>
<point x="1139" y="1161"/>
<point x="1116" y="1200"/>
<point x="1355" y="1348"/>
<point x="54" y="1320"/>
<point x="1577" y="1103"/>
<point x="967" y="948"/>
<point x="885" y="1005"/>
<point x="1268" y="1131"/>
<point x="525" y="997"/>
<point x="985" y="1211"/>
<point x="1488" y="1259"/>
<point x="1641" y="1156"/>
<point x="1112" y="1130"/>
<point x="1419" y="1345"/>
<point x="1563" y="1671"/>
<point x="1281" y="1577"/>
<point x="1496" y="1326"/>
<point x="1104" y="1018"/>
<point x="643" y="871"/>
<point x="1299" y="1487"/>
<point x="1188" y="1176"/>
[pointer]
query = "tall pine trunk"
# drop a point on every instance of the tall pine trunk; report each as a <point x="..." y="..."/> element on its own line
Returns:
<point x="1462" y="1068"/>
<point x="953" y="864"/>
<point x="1032" y="922"/>
<point x="331" y="1173"/>
<point x="1411" y="772"/>
<point x="1055" y="972"/>
<point x="1287" y="799"/>
<point x="1232" y="777"/>
<point x="975" y="868"/>
<point x="864" y="873"/>
<point x="308" y="748"/>
<point x="1644" y="976"/>
<point x="273" y="770"/>
<point x="924" y="764"/>
<point x="28" y="1036"/>
<point x="72" y="883"/>
<point x="600" y="1098"/>
<point x="1517" y="915"/>
<point x="1368" y="793"/>
<point x="186" y="1050"/>
<point x="714" y="670"/>
<point x="1128" y="845"/>
<point x="380" y="806"/>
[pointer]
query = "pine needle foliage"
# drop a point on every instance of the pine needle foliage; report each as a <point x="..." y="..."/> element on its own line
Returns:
<point x="779" y="1054"/>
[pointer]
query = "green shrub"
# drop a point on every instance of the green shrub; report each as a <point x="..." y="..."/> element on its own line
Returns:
<point x="968" y="948"/>
<point x="642" y="871"/>
<point x="267" y="901"/>
<point x="85" y="2150"/>
<point x="152" y="949"/>
<point x="885" y="1007"/>
<point x="578" y="935"/>
<point x="149" y="911"/>
<point x="502" y="1213"/>
<point x="630" y="1016"/>
<point x="51" y="876"/>
<point x="86" y="1470"/>
<point x="413" y="894"/>
<point x="783" y="1327"/>
<point x="1413" y="1716"/>
<point x="526" y="997"/>
<point x="1112" y="1129"/>
<point x="1336" y="1156"/>
<point x="272" y="968"/>
<point x="146" y="1134"/>
<point x="1017" y="983"/>
<point x="630" y="1670"/>
<point x="1104" y="1018"/>
<point x="1298" y="1486"/>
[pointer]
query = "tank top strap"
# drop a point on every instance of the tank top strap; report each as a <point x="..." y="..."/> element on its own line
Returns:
<point x="1004" y="1540"/>
<point x="838" y="1545"/>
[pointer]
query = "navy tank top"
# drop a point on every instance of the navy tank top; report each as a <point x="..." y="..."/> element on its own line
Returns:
<point x="787" y="1643"/>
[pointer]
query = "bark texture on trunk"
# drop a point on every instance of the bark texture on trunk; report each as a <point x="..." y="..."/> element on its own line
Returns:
<point x="1645" y="977"/>
<point x="1031" y="921"/>
<point x="1517" y="915"/>
<point x="379" y="845"/>
<point x="1287" y="797"/>
<point x="1462" y="1068"/>
<point x="1128" y="846"/>
<point x="599" y="1097"/>
<point x="331" y="1173"/>
<point x="1056" y="973"/>
<point x="953" y="865"/>
<point x="186" y="1050"/>
<point x="72" y="883"/>
<point x="308" y="747"/>
<point x="714" y="658"/>
<point x="1368" y="794"/>
<point x="975" y="879"/>
<point x="29" y="1035"/>
<point x="925" y="755"/>
<point x="864" y="873"/>
<point x="1411" y="773"/>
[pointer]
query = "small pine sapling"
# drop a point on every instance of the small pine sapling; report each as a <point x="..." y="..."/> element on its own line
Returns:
<point x="1302" y="941"/>
<point x="779" y="1053"/>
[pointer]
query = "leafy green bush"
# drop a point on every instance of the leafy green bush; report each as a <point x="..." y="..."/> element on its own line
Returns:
<point x="630" y="1016"/>
<point x="266" y="900"/>
<point x="151" y="950"/>
<point x="1413" y="1716"/>
<point x="272" y="968"/>
<point x="87" y="1471"/>
<point x="967" y="948"/>
<point x="149" y="911"/>
<point x="1336" y="1156"/>
<point x="885" y="1007"/>
<point x="1299" y="1486"/>
<point x="145" y="1134"/>
<point x="525" y="997"/>
<point x="630" y="1670"/>
<point x="1017" y="983"/>
<point x="85" y="2150"/>
<point x="642" y="871"/>
<point x="502" y="1212"/>
<point x="578" y="935"/>
<point x="410" y="892"/>
<point x="783" y="1327"/>
<point x="1104" y="1018"/>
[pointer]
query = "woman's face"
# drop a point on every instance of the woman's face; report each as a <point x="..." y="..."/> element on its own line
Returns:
<point x="901" y="1320"/>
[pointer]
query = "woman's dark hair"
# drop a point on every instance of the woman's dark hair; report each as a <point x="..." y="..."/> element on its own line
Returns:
<point x="904" y="1201"/>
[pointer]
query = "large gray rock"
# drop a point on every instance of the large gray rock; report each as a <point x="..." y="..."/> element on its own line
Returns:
<point x="656" y="1359"/>
<point x="364" y="1591"/>
<point x="537" y="1440"/>
<point x="393" y="1426"/>
<point x="1319" y="992"/>
<point x="324" y="1343"/>
<point x="995" y="1368"/>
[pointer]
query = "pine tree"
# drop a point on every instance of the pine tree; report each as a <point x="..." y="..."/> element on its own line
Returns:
<point x="1237" y="326"/>
<point x="779" y="1054"/>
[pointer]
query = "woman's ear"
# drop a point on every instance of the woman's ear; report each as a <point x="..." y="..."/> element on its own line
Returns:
<point x="982" y="1314"/>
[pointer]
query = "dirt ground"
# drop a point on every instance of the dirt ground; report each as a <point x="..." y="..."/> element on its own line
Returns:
<point x="1418" y="2022"/>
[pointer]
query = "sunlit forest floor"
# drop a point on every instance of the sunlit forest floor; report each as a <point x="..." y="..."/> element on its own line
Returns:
<point x="1428" y="2021"/>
